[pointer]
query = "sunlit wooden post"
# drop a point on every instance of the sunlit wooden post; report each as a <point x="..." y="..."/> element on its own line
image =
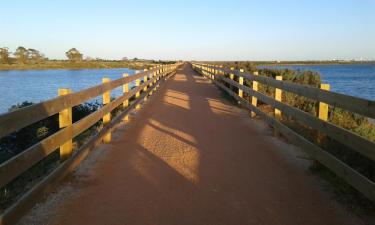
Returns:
<point x="160" y="75"/>
<point x="278" y="93"/>
<point x="151" y="76"/>
<point x="65" y="119"/>
<point x="240" y="81"/>
<point x="145" y="80"/>
<point x="107" y="118"/>
<point x="137" y="84"/>
<point x="323" y="107"/>
<point x="125" y="89"/>
<point x="231" y="76"/>
<point x="254" y="100"/>
<point x="157" y="77"/>
<point x="157" y="73"/>
<point x="323" y="111"/>
<point x="138" y="94"/>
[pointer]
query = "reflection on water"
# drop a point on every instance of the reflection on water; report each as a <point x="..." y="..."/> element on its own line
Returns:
<point x="37" y="85"/>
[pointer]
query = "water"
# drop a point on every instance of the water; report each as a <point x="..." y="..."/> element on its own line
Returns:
<point x="355" y="79"/>
<point x="17" y="86"/>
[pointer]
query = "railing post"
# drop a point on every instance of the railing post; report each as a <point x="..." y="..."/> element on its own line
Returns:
<point x="125" y="89"/>
<point x="157" y="77"/>
<point x="323" y="107"/>
<point x="240" y="81"/>
<point x="231" y="76"/>
<point x="150" y="76"/>
<point x="323" y="112"/>
<point x="145" y="80"/>
<point x="107" y="118"/>
<point x="65" y="119"/>
<point x="137" y="84"/>
<point x="254" y="100"/>
<point x="278" y="93"/>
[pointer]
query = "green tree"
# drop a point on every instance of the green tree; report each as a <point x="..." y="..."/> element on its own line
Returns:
<point x="4" y="55"/>
<point x="74" y="55"/>
<point x="21" y="55"/>
<point x="35" y="56"/>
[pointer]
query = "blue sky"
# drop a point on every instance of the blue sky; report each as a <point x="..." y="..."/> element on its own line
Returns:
<point x="193" y="30"/>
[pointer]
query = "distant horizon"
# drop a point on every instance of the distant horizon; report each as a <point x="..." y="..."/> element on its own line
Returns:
<point x="239" y="30"/>
<point x="230" y="60"/>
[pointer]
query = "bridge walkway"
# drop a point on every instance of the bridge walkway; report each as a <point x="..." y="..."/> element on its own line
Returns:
<point x="189" y="156"/>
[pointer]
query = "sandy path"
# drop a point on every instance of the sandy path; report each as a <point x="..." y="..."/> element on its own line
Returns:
<point x="190" y="157"/>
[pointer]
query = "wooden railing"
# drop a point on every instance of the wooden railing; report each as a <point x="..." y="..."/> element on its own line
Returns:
<point x="62" y="139"/>
<point x="223" y="76"/>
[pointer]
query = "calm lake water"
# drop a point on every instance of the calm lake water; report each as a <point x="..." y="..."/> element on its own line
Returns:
<point x="17" y="86"/>
<point x="356" y="80"/>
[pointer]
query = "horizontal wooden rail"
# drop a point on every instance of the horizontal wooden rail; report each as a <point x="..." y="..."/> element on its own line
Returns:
<point x="357" y="105"/>
<point x="356" y="142"/>
<point x="12" y="214"/>
<point x="20" y="118"/>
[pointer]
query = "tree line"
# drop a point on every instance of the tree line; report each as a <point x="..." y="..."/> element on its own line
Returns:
<point x="33" y="56"/>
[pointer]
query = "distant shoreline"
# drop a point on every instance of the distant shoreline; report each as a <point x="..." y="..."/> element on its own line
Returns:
<point x="65" y="68"/>
<point x="315" y="64"/>
<point x="61" y="65"/>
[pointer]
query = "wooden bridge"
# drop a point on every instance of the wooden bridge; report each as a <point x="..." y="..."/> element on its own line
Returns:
<point x="183" y="154"/>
